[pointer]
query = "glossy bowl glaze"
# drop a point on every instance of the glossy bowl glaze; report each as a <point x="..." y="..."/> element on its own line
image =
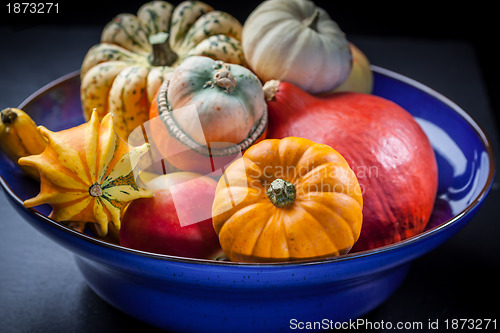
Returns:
<point x="190" y="295"/>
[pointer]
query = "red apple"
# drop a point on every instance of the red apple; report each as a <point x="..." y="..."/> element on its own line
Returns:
<point x="176" y="220"/>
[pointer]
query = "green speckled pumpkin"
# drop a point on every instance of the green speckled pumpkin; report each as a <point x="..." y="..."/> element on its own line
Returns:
<point x="229" y="100"/>
<point x="122" y="74"/>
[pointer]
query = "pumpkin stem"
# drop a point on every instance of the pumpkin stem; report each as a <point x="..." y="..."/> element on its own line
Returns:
<point x="312" y="21"/>
<point x="224" y="79"/>
<point x="270" y="88"/>
<point x="95" y="190"/>
<point x="8" y="116"/>
<point x="161" y="54"/>
<point x="281" y="193"/>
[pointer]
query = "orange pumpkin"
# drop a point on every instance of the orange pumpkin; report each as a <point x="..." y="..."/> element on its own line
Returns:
<point x="287" y="199"/>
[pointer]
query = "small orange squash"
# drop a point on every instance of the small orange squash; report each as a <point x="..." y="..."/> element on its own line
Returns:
<point x="285" y="200"/>
<point x="136" y="53"/>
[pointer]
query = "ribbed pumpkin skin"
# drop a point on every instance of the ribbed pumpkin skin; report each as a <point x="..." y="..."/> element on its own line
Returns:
<point x="281" y="41"/>
<point x="384" y="145"/>
<point x="324" y="220"/>
<point x="117" y="74"/>
<point x="86" y="174"/>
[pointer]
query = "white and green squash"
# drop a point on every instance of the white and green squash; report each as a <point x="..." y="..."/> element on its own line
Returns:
<point x="211" y="108"/>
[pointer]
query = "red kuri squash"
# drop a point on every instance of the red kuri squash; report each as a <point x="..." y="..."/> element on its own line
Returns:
<point x="384" y="145"/>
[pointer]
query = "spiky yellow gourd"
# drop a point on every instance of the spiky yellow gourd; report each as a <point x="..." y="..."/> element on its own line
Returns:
<point x="86" y="174"/>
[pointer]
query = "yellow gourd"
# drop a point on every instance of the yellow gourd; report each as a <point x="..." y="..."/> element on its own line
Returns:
<point x="20" y="137"/>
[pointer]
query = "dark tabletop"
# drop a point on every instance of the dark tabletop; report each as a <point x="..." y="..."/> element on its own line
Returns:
<point x="41" y="289"/>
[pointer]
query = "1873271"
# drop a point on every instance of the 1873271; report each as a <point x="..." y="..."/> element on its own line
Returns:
<point x="470" y="324"/>
<point x="32" y="8"/>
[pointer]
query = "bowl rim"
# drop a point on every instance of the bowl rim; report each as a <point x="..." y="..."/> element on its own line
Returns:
<point x="317" y="261"/>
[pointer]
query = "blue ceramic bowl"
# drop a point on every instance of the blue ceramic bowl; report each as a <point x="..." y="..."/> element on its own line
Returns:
<point x="190" y="295"/>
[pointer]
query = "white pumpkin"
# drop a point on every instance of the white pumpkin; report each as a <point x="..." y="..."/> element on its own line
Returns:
<point x="297" y="42"/>
<point x="122" y="74"/>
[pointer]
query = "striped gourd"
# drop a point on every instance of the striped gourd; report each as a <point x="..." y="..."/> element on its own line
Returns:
<point x="122" y="73"/>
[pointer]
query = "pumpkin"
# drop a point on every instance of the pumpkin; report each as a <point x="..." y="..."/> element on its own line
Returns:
<point x="297" y="42"/>
<point x="391" y="155"/>
<point x="288" y="199"/>
<point x="122" y="73"/>
<point x="208" y="109"/>
<point x="19" y="137"/>
<point x="86" y="174"/>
